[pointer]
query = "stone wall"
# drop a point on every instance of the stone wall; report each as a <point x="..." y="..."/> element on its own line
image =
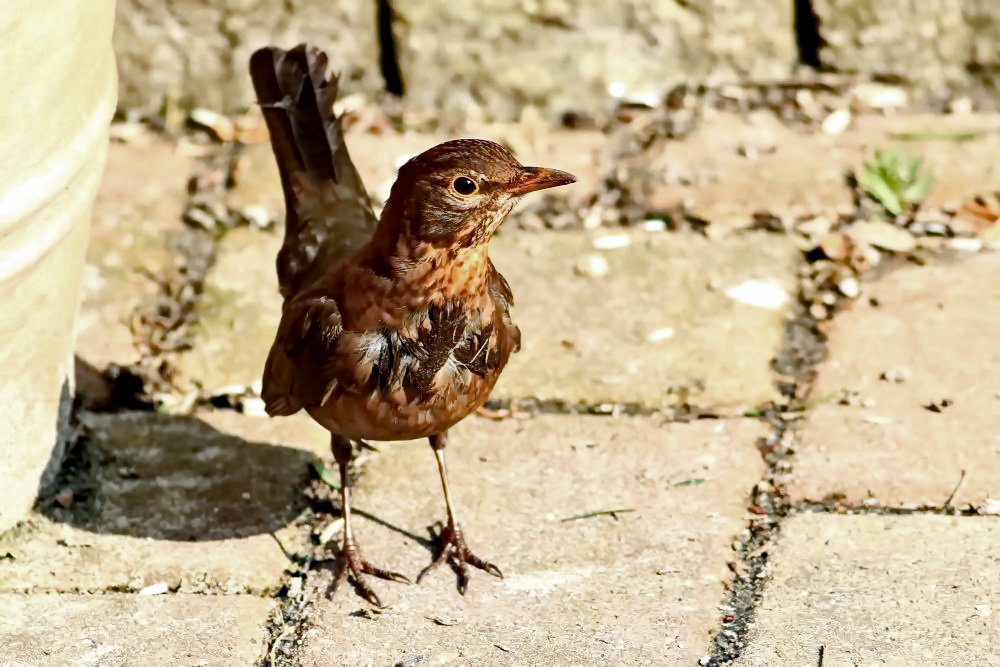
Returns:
<point x="939" y="47"/>
<point x="491" y="57"/>
<point x="566" y="55"/>
<point x="194" y="52"/>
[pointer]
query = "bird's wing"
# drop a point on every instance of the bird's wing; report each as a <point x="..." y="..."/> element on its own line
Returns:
<point x="299" y="370"/>
<point x="328" y="213"/>
<point x="478" y="350"/>
<point x="504" y="298"/>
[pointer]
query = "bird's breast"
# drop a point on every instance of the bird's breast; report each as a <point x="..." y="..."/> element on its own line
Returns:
<point x="420" y="377"/>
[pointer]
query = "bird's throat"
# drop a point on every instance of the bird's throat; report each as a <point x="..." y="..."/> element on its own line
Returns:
<point x="444" y="273"/>
<point x="388" y="283"/>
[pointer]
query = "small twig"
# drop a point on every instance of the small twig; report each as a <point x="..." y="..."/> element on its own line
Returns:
<point x="937" y="135"/>
<point x="951" y="496"/>
<point x="447" y="622"/>
<point x="281" y="546"/>
<point x="821" y="652"/>
<point x="589" y="515"/>
<point x="286" y="633"/>
<point x="410" y="662"/>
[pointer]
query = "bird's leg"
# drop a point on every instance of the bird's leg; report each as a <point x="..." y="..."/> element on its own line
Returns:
<point x="453" y="547"/>
<point x="350" y="564"/>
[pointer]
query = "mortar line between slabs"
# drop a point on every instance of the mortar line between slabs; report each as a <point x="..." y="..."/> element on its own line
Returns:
<point x="766" y="504"/>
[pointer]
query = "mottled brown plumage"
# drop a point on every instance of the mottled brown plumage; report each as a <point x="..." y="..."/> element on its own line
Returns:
<point x="395" y="329"/>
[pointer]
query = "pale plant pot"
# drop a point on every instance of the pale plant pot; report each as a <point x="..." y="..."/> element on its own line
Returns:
<point x="58" y="75"/>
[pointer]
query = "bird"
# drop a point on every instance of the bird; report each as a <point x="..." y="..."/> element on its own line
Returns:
<point x="393" y="327"/>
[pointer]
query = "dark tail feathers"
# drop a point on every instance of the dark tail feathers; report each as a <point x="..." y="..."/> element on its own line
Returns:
<point x="327" y="208"/>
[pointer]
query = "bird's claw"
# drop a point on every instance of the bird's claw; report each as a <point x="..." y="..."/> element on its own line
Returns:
<point x="352" y="567"/>
<point x="457" y="553"/>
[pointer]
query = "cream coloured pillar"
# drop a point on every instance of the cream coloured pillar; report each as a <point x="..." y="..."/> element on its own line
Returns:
<point x="58" y="77"/>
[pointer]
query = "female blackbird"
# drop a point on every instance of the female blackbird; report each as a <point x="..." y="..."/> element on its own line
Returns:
<point x="391" y="329"/>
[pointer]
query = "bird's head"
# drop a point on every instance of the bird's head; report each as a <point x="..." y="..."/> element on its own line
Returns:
<point x="457" y="194"/>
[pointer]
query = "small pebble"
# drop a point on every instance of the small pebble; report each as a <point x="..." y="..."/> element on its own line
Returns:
<point x="897" y="374"/>
<point x="65" y="498"/>
<point x="989" y="507"/>
<point x="253" y="407"/>
<point x="963" y="244"/>
<point x="875" y="419"/>
<point x="660" y="334"/>
<point x="761" y="293"/>
<point x="838" y="121"/>
<point x="155" y="589"/>
<point x="332" y="529"/>
<point x="592" y="266"/>
<point x="818" y="311"/>
<point x="849" y="287"/>
<point x="257" y="216"/>
<point x="612" y="241"/>
<point x="961" y="106"/>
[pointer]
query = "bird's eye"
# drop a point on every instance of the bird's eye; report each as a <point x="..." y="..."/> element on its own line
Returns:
<point x="464" y="186"/>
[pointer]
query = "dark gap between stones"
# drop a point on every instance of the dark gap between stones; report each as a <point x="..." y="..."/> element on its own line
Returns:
<point x="835" y="507"/>
<point x="388" y="52"/>
<point x="803" y="348"/>
<point x="807" y="34"/>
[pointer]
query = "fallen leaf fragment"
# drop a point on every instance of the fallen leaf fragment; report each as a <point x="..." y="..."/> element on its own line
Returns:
<point x="976" y="216"/>
<point x="836" y="246"/>
<point x="884" y="235"/>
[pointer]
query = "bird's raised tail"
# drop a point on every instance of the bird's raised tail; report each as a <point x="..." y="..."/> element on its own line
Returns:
<point x="327" y="212"/>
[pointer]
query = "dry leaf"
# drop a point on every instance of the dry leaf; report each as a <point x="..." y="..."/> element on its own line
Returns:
<point x="836" y="246"/>
<point x="883" y="235"/>
<point x="976" y="216"/>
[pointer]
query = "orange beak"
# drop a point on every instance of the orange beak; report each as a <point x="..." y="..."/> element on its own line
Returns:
<point x="538" y="178"/>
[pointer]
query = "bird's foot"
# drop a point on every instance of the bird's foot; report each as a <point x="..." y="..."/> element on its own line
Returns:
<point x="455" y="551"/>
<point x="350" y="566"/>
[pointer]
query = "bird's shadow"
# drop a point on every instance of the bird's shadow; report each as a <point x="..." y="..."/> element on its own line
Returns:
<point x="176" y="478"/>
<point x="166" y="477"/>
<point x="428" y="543"/>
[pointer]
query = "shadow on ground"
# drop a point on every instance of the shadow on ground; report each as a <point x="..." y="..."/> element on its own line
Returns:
<point x="150" y="475"/>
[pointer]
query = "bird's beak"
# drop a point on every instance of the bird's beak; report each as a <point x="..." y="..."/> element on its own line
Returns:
<point x="538" y="178"/>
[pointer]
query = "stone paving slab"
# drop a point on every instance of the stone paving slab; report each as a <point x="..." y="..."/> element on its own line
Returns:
<point x="118" y="630"/>
<point x="731" y="167"/>
<point x="643" y="588"/>
<point x="139" y="203"/>
<point x="880" y="590"/>
<point x="186" y="502"/>
<point x="936" y="328"/>
<point x="237" y="314"/>
<point x="658" y="329"/>
<point x="663" y="327"/>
